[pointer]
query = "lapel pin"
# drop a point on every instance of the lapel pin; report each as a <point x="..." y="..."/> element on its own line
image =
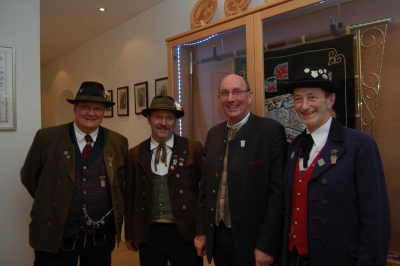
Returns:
<point x="321" y="162"/>
<point x="334" y="156"/>
<point x="242" y="143"/>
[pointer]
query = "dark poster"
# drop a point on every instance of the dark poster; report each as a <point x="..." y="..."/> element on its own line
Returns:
<point x="280" y="66"/>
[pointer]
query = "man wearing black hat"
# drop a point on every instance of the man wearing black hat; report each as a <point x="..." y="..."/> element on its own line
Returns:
<point x="337" y="210"/>
<point x="75" y="172"/>
<point x="162" y="184"/>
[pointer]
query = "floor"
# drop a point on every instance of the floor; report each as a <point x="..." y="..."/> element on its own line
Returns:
<point x="122" y="256"/>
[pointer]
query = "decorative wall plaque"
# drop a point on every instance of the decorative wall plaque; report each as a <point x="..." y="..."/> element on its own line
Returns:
<point x="202" y="12"/>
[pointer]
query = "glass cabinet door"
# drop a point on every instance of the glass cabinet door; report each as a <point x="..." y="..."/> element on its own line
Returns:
<point x="199" y="65"/>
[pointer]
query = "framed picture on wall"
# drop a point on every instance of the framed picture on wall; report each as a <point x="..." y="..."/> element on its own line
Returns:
<point x="109" y="111"/>
<point x="141" y="97"/>
<point x="162" y="86"/>
<point x="8" y="118"/>
<point x="123" y="101"/>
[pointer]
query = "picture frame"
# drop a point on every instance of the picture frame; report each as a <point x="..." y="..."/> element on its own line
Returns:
<point x="123" y="101"/>
<point x="8" y="115"/>
<point x="141" y="97"/>
<point x="161" y="86"/>
<point x="109" y="111"/>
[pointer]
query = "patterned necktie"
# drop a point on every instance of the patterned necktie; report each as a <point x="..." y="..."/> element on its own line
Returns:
<point x="306" y="149"/>
<point x="88" y="147"/>
<point x="160" y="154"/>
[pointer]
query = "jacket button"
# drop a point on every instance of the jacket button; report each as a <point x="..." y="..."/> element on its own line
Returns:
<point x="324" y="221"/>
<point x="142" y="208"/>
<point x="118" y="203"/>
<point x="115" y="184"/>
<point x="54" y="204"/>
<point x="181" y="191"/>
<point x="216" y="175"/>
<point x="184" y="207"/>
<point x="144" y="194"/>
<point x="324" y="181"/>
<point x="178" y="175"/>
<point x="48" y="224"/>
<point x="324" y="240"/>
<point x="213" y="191"/>
<point x="144" y="178"/>
<point x="211" y="225"/>
<point x="324" y="202"/>
<point x="212" y="209"/>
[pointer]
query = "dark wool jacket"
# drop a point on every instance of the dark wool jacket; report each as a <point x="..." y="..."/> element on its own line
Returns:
<point x="348" y="221"/>
<point x="256" y="159"/>
<point x="49" y="173"/>
<point x="183" y="182"/>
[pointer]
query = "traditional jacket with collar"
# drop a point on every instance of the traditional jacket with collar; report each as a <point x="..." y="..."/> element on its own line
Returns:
<point x="256" y="159"/>
<point x="348" y="211"/>
<point x="49" y="173"/>
<point x="183" y="182"/>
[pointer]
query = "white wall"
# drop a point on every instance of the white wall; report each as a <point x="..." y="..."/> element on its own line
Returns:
<point x="132" y="52"/>
<point x="19" y="26"/>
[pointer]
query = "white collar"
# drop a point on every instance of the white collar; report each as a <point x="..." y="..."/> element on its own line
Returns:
<point x="80" y="135"/>
<point x="239" y="124"/>
<point x="321" y="134"/>
<point x="169" y="143"/>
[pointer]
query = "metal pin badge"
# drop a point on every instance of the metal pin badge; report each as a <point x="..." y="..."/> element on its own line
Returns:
<point x="334" y="156"/>
<point x="242" y="143"/>
<point x="321" y="162"/>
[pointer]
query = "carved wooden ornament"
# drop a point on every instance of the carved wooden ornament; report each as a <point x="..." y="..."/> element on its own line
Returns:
<point x="232" y="7"/>
<point x="202" y="12"/>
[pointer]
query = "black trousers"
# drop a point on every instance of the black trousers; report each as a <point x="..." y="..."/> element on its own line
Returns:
<point x="166" y="244"/>
<point x="91" y="250"/>
<point x="294" y="259"/>
<point x="223" y="251"/>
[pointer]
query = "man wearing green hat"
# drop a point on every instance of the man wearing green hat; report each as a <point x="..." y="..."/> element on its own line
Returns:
<point x="75" y="173"/>
<point x="162" y="184"/>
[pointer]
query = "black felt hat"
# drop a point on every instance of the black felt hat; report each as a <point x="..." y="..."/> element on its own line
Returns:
<point x="164" y="103"/>
<point x="91" y="91"/>
<point x="314" y="77"/>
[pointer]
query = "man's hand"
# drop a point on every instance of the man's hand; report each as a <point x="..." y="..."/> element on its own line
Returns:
<point x="132" y="246"/>
<point x="263" y="259"/>
<point x="200" y="244"/>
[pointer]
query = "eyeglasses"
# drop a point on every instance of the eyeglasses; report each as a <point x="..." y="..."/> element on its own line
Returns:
<point x="235" y="93"/>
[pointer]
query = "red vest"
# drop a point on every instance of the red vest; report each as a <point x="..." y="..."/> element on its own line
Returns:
<point x="298" y="222"/>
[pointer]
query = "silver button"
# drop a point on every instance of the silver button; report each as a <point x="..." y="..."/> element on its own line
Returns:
<point x="184" y="207"/>
<point x="181" y="191"/>
<point x="178" y="175"/>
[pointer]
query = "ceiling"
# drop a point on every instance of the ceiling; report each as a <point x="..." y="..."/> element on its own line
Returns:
<point x="66" y="25"/>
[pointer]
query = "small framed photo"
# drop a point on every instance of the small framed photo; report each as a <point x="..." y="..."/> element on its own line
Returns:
<point x="162" y="86"/>
<point x="141" y="97"/>
<point x="8" y="115"/>
<point x="109" y="111"/>
<point x="123" y="101"/>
